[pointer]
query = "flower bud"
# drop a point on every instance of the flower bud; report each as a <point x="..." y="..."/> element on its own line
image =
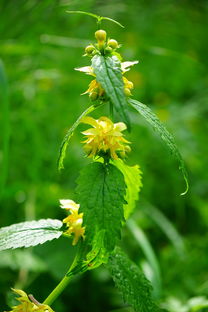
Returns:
<point x="130" y="84"/>
<point x="113" y="44"/>
<point x="108" y="50"/>
<point x="127" y="92"/>
<point x="100" y="35"/>
<point x="89" y="50"/>
<point x="93" y="96"/>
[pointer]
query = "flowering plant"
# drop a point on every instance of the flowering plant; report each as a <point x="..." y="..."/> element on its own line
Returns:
<point x="107" y="188"/>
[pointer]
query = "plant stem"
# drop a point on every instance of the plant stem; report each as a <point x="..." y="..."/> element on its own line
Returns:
<point x="58" y="290"/>
<point x="65" y="281"/>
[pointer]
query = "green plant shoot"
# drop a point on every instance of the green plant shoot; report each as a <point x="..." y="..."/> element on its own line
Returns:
<point x="107" y="187"/>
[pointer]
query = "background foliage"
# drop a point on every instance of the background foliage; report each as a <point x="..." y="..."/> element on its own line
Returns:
<point x="39" y="47"/>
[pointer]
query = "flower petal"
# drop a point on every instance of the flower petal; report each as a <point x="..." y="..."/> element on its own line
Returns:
<point x="86" y="69"/>
<point x="90" y="121"/>
<point x="125" y="65"/>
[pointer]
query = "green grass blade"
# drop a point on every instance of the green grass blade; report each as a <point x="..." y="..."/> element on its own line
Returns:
<point x="166" y="226"/>
<point x="153" y="120"/>
<point x="149" y="253"/>
<point x="5" y="130"/>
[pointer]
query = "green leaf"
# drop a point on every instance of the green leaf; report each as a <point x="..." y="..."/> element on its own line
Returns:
<point x="112" y="20"/>
<point x="92" y="259"/>
<point x="132" y="177"/>
<point x="133" y="285"/>
<point x="99" y="18"/>
<point x="109" y="75"/>
<point x="30" y="233"/>
<point x="84" y="13"/>
<point x="100" y="192"/>
<point x="98" y="254"/>
<point x="153" y="120"/>
<point x="70" y="132"/>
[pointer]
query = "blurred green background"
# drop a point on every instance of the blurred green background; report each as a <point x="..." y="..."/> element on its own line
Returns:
<point x="40" y="45"/>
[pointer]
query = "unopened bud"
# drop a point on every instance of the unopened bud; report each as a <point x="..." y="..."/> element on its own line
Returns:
<point x="130" y="85"/>
<point x="108" y="50"/>
<point x="93" y="96"/>
<point x="89" y="50"/>
<point x="113" y="44"/>
<point x="127" y="92"/>
<point x="100" y="35"/>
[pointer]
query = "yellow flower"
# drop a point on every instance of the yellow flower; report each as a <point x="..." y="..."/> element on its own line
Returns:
<point x="77" y="229"/>
<point x="74" y="220"/>
<point x="105" y="137"/>
<point x="69" y="204"/>
<point x="28" y="303"/>
<point x="95" y="89"/>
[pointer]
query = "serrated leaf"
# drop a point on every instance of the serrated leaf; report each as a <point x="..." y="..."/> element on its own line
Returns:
<point x="30" y="233"/>
<point x="98" y="254"/>
<point x="108" y="73"/>
<point x="133" y="285"/>
<point x="101" y="190"/>
<point x="70" y="132"/>
<point x="153" y="120"/>
<point x="92" y="259"/>
<point x="132" y="177"/>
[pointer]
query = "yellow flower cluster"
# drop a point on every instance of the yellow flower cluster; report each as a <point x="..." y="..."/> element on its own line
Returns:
<point x="95" y="89"/>
<point x="27" y="305"/>
<point x="105" y="137"/>
<point x="74" y="220"/>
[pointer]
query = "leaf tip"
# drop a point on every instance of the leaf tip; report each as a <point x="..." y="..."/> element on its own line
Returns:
<point x="187" y="188"/>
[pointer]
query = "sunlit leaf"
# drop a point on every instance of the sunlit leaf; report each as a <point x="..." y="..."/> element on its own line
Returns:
<point x="132" y="177"/>
<point x="29" y="233"/>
